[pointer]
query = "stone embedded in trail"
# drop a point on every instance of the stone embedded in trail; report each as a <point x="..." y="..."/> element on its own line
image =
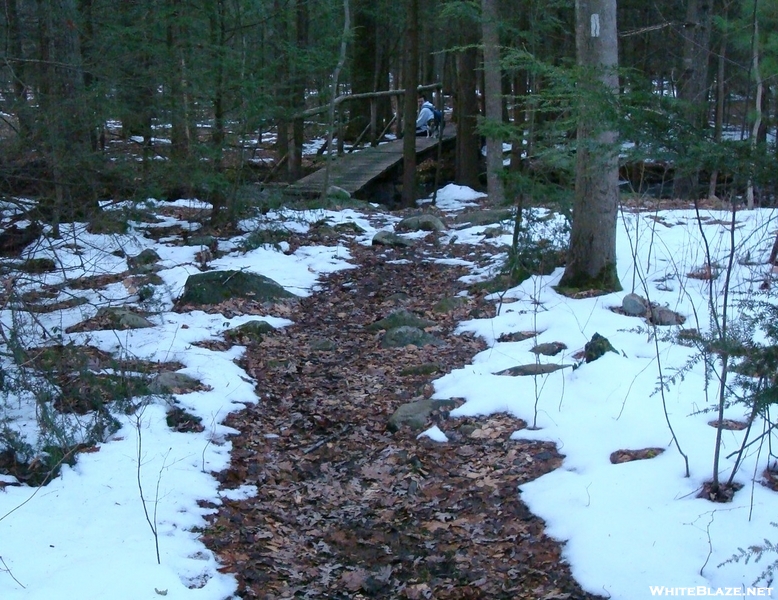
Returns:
<point x="415" y="414"/>
<point x="424" y="222"/>
<point x="214" y="287"/>
<point x="531" y="369"/>
<point x="400" y="318"/>
<point x="387" y="238"/>
<point x="634" y="305"/>
<point x="549" y="349"/>
<point x="252" y="331"/>
<point x="399" y="337"/>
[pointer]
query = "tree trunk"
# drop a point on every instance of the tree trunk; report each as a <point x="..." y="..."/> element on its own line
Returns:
<point x="591" y="261"/>
<point x="468" y="142"/>
<point x="693" y="84"/>
<point x="411" y="78"/>
<point x="493" y="99"/>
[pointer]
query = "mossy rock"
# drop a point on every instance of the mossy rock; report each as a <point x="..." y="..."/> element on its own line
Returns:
<point x="597" y="347"/>
<point x="422" y="369"/>
<point x="400" y="318"/>
<point x="447" y="305"/>
<point x="214" y="287"/>
<point x="399" y="337"/>
<point x="250" y="332"/>
<point x="349" y="227"/>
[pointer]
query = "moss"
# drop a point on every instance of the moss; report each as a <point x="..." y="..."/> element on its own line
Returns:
<point x="607" y="280"/>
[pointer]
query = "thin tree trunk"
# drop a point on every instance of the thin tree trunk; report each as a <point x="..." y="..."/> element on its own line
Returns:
<point x="757" y="101"/>
<point x="411" y="78"/>
<point x="493" y="99"/>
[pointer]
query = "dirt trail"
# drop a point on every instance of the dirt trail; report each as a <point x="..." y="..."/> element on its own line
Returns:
<point x="347" y="509"/>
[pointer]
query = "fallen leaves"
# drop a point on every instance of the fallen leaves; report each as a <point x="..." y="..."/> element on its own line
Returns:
<point x="345" y="508"/>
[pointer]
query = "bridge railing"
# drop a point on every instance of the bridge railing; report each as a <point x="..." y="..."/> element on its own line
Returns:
<point x="372" y="127"/>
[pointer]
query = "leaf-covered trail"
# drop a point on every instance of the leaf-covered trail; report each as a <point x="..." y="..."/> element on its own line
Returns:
<point x="346" y="508"/>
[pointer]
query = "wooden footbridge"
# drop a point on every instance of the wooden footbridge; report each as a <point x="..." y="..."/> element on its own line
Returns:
<point x="354" y="171"/>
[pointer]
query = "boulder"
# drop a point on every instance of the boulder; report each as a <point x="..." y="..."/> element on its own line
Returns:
<point x="214" y="287"/>
<point x="423" y="222"/>
<point x="143" y="262"/>
<point x="387" y="238"/>
<point x="634" y="305"/>
<point x="250" y="332"/>
<point x="123" y="318"/>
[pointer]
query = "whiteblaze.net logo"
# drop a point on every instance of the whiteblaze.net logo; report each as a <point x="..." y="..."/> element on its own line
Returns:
<point x="701" y="590"/>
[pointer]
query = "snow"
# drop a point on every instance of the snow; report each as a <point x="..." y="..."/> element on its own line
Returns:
<point x="625" y="527"/>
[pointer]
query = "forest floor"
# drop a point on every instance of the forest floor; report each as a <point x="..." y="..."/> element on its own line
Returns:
<point x="347" y="508"/>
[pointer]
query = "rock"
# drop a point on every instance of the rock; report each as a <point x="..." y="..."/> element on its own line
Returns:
<point x="338" y="193"/>
<point x="123" y="318"/>
<point x="214" y="287"/>
<point x="447" y="305"/>
<point x="207" y="241"/>
<point x="252" y="331"/>
<point x="549" y="349"/>
<point x="399" y="337"/>
<point x="172" y="382"/>
<point x="323" y="345"/>
<point x="531" y="369"/>
<point x="597" y="347"/>
<point x="423" y="222"/>
<point x="400" y="318"/>
<point x="422" y="369"/>
<point x="634" y="305"/>
<point x="415" y="414"/>
<point x="387" y="238"/>
<point x="485" y="217"/>
<point x="663" y="316"/>
<point x="143" y="261"/>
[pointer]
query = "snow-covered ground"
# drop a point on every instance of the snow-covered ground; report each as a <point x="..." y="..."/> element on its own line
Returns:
<point x="626" y="527"/>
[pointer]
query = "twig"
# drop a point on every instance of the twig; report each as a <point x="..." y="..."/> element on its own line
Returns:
<point x="7" y="570"/>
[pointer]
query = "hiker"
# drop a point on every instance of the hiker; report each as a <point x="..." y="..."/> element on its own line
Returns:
<point x="426" y="114"/>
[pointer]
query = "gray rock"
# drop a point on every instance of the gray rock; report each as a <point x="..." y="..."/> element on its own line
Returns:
<point x="400" y="318"/>
<point x="122" y="318"/>
<point x="387" y="238"/>
<point x="172" y="382"/>
<point x="485" y="217"/>
<point x="143" y="262"/>
<point x="424" y="222"/>
<point x="634" y="305"/>
<point x="531" y="369"/>
<point x="549" y="349"/>
<point x="399" y="337"/>
<point x="415" y="414"/>
<point x="202" y="240"/>
<point x="251" y="331"/>
<point x="214" y="287"/>
<point x="663" y="316"/>
<point x="337" y="193"/>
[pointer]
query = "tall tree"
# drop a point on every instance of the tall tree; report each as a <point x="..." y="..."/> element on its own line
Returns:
<point x="591" y="260"/>
<point x="493" y="100"/>
<point x="411" y="73"/>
